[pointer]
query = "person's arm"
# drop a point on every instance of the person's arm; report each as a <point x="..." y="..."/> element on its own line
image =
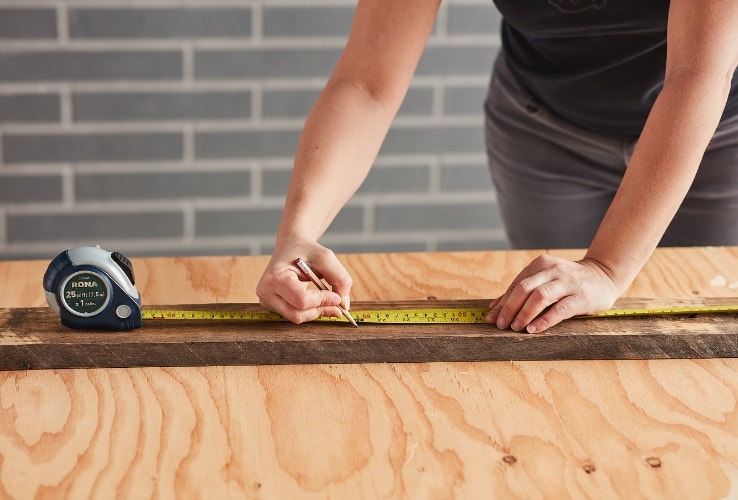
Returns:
<point x="702" y="54"/>
<point x="339" y="143"/>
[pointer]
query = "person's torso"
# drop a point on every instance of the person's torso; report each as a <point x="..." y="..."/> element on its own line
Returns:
<point x="597" y="63"/>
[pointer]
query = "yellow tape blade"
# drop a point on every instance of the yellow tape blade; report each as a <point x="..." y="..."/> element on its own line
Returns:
<point x="666" y="311"/>
<point x="167" y="314"/>
<point x="441" y="315"/>
<point x="445" y="315"/>
<point x="390" y="316"/>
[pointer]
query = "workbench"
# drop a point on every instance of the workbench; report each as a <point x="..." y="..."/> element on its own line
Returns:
<point x="653" y="428"/>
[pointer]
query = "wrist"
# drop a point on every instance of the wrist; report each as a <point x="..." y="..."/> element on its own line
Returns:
<point x="619" y="275"/>
<point x="296" y="226"/>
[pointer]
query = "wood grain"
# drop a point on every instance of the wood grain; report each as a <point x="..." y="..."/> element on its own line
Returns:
<point x="521" y="429"/>
<point x="561" y="429"/>
<point x="33" y="338"/>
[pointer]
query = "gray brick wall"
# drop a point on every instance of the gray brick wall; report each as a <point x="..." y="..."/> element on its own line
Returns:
<point x="169" y="127"/>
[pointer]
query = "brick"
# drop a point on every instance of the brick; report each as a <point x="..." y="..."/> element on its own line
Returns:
<point x="246" y="144"/>
<point x="162" y="186"/>
<point x="464" y="100"/>
<point x="93" y="227"/>
<point x="27" y="24"/>
<point x="313" y="21"/>
<point x="288" y="103"/>
<point x="176" y="22"/>
<point x="385" y="179"/>
<point x="473" y="19"/>
<point x="183" y="250"/>
<point x="296" y="103"/>
<point x="260" y="63"/>
<point x="153" y="106"/>
<point x="81" y="65"/>
<point x="318" y="62"/>
<point x="349" y="220"/>
<point x="28" y="254"/>
<point x="54" y="148"/>
<point x="263" y="221"/>
<point x="30" y="108"/>
<point x="237" y="222"/>
<point x="30" y="188"/>
<point x="434" y="139"/>
<point x="275" y="182"/>
<point x="360" y="246"/>
<point x="396" y="180"/>
<point x="437" y="217"/>
<point x="466" y="178"/>
<point x="417" y="102"/>
<point x="439" y="60"/>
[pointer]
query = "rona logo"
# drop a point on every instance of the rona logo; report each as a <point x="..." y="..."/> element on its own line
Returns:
<point x="85" y="284"/>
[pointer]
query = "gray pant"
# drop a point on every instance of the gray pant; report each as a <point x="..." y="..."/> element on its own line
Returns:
<point x="554" y="181"/>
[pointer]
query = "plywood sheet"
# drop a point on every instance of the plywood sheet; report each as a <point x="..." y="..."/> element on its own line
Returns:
<point x="656" y="428"/>
<point x="33" y="338"/>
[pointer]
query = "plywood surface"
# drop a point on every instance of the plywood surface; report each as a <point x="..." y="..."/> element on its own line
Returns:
<point x="522" y="429"/>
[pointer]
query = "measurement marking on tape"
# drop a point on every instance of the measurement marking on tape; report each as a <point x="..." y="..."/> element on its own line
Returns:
<point x="444" y="315"/>
<point x="666" y="311"/>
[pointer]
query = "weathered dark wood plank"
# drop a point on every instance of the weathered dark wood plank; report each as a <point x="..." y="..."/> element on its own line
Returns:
<point x="33" y="338"/>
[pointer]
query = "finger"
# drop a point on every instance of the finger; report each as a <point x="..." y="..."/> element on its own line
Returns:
<point x="308" y="298"/>
<point x="332" y="271"/>
<point x="494" y="310"/>
<point x="531" y="274"/>
<point x="511" y="305"/>
<point x="304" y="313"/>
<point x="538" y="300"/>
<point x="284" y="293"/>
<point x="494" y="302"/>
<point x="558" y="312"/>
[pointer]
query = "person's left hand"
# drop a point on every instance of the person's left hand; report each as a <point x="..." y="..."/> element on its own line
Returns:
<point x="551" y="289"/>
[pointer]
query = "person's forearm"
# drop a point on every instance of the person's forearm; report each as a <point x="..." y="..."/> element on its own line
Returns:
<point x="662" y="168"/>
<point x="348" y="123"/>
<point x="338" y="145"/>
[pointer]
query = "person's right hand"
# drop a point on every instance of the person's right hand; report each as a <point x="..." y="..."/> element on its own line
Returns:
<point x="284" y="288"/>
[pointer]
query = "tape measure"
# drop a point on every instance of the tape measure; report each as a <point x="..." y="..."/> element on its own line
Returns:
<point x="89" y="287"/>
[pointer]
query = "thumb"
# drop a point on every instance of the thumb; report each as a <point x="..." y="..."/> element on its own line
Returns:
<point x="339" y="279"/>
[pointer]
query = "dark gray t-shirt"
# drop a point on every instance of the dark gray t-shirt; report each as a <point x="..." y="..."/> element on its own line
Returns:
<point x="597" y="63"/>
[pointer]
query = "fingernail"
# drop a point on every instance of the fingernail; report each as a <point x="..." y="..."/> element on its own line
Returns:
<point x="531" y="329"/>
<point x="501" y="322"/>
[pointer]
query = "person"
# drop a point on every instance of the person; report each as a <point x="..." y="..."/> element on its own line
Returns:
<point x="610" y="126"/>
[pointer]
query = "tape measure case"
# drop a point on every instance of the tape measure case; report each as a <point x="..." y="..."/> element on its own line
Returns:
<point x="88" y="287"/>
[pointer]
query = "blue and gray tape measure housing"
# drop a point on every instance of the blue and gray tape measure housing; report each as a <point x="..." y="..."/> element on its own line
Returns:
<point x="89" y="287"/>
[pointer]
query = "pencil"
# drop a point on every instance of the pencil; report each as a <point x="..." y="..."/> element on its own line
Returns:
<point x="305" y="268"/>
